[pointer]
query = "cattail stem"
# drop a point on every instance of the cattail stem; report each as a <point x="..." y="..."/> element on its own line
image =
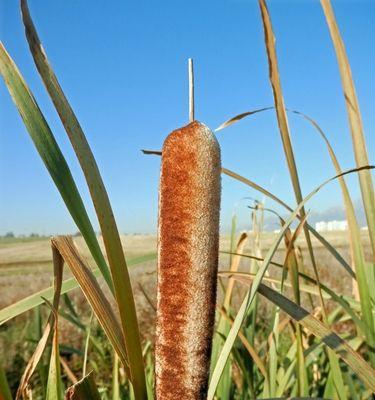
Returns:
<point x="191" y="89"/>
<point x="188" y="241"/>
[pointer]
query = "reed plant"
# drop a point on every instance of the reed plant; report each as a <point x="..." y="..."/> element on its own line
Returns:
<point x="293" y="351"/>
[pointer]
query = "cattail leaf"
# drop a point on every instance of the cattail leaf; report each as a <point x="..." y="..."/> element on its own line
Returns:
<point x="292" y="265"/>
<point x="247" y="277"/>
<point x="252" y="292"/>
<point x="346" y="303"/>
<point x="94" y="294"/>
<point x="354" y="231"/>
<point x="51" y="155"/>
<point x="365" y="179"/>
<point x="259" y="188"/>
<point x="355" y="245"/>
<point x="289" y="154"/>
<point x="238" y="117"/>
<point x="331" y="339"/>
<point x="54" y="386"/>
<point x="355" y="120"/>
<point x="334" y="364"/>
<point x="283" y="120"/>
<point x="120" y="275"/>
<point x="360" y="152"/>
<point x="51" y="326"/>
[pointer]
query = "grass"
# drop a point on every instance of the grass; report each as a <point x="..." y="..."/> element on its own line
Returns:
<point x="144" y="273"/>
<point x="285" y="326"/>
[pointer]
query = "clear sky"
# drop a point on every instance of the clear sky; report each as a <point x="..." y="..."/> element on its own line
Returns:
<point x="123" y="66"/>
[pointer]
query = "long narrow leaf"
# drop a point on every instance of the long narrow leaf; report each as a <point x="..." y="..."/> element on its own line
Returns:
<point x="282" y="120"/>
<point x="120" y="275"/>
<point x="54" y="388"/>
<point x="327" y="292"/>
<point x="356" y="247"/>
<point x="354" y="231"/>
<point x="252" y="292"/>
<point x="267" y="193"/>
<point x="51" y="155"/>
<point x="94" y="294"/>
<point x="355" y="120"/>
<point x="331" y="339"/>
<point x="58" y="264"/>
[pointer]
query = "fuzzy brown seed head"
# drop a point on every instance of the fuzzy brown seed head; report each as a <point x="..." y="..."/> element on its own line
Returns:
<point x="188" y="241"/>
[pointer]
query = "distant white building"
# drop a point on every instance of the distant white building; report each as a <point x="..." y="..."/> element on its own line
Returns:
<point x="331" y="226"/>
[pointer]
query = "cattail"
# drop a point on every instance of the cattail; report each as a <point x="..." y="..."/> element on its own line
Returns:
<point x="188" y="241"/>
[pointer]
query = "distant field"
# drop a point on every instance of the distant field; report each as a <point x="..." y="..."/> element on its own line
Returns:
<point x="26" y="267"/>
<point x="26" y="264"/>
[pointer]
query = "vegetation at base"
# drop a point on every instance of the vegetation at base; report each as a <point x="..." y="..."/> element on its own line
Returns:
<point x="278" y="334"/>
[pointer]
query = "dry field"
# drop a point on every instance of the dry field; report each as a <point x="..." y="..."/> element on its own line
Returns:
<point x="26" y="266"/>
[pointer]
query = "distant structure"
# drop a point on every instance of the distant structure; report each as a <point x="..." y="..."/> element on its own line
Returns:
<point x="331" y="226"/>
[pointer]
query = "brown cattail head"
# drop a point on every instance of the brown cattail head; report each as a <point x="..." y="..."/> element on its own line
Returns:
<point x="188" y="244"/>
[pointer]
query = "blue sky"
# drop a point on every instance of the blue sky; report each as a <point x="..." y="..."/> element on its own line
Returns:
<point x="123" y="66"/>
